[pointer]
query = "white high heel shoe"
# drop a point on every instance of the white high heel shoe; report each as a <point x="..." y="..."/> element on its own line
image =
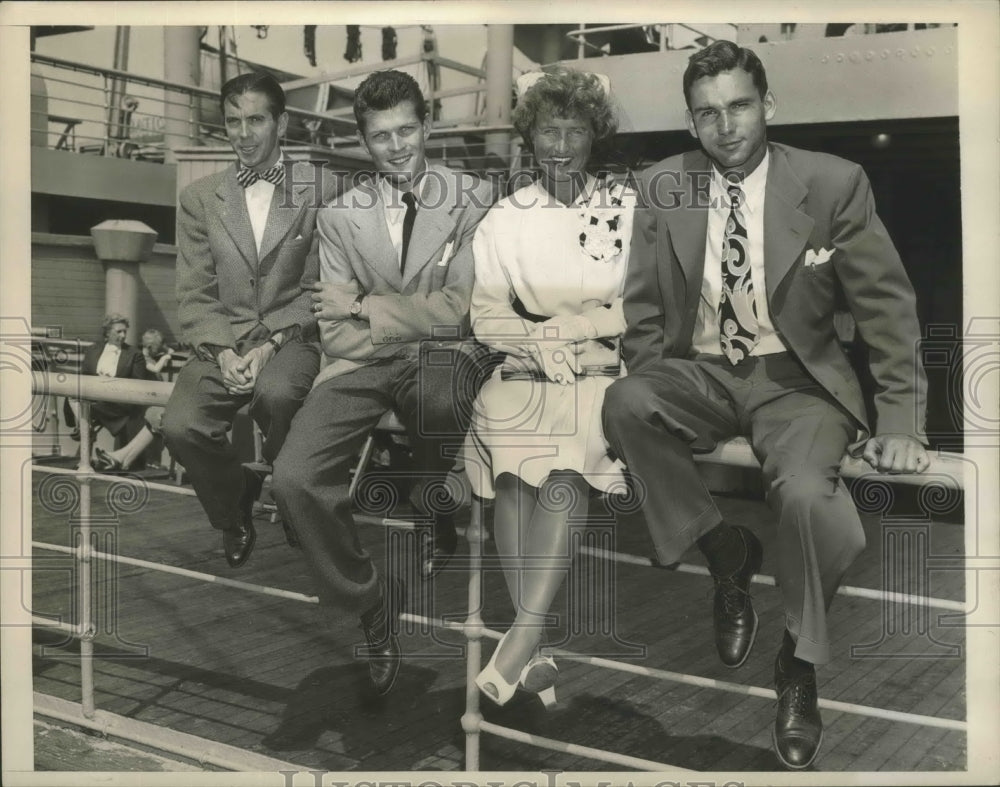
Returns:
<point x="538" y="677"/>
<point x="492" y="683"/>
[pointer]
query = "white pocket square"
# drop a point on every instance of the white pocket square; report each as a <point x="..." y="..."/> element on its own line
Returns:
<point x="818" y="257"/>
<point x="446" y="254"/>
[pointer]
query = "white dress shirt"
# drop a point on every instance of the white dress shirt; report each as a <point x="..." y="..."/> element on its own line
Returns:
<point x="258" y="197"/>
<point x="706" y="326"/>
<point x="107" y="364"/>
<point x="395" y="212"/>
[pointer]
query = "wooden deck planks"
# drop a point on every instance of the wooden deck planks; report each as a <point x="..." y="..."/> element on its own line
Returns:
<point x="278" y="676"/>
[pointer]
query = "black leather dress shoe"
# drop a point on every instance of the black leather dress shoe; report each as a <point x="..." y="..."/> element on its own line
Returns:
<point x="106" y="463"/>
<point x="798" y="726"/>
<point x="238" y="541"/>
<point x="436" y="551"/>
<point x="380" y="625"/>
<point x="733" y="612"/>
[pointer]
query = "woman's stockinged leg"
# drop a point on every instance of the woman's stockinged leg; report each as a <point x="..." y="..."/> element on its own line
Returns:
<point x="543" y="561"/>
<point x="512" y="512"/>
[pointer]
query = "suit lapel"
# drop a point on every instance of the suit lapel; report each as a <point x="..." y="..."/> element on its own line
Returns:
<point x="371" y="235"/>
<point x="235" y="219"/>
<point x="433" y="224"/>
<point x="688" y="226"/>
<point x="786" y="227"/>
<point x="286" y="203"/>
<point x="124" y="361"/>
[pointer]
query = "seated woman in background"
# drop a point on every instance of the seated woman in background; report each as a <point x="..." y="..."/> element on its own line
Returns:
<point x="158" y="356"/>
<point x="550" y="269"/>
<point x="127" y="422"/>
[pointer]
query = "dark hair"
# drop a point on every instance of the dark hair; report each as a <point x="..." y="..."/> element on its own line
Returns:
<point x="254" y="82"/>
<point x="723" y="56"/>
<point x="566" y="93"/>
<point x="383" y="90"/>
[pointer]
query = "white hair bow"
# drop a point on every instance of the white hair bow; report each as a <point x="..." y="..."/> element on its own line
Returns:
<point x="528" y="79"/>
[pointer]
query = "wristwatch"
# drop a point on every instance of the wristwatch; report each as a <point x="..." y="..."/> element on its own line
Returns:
<point x="356" y="307"/>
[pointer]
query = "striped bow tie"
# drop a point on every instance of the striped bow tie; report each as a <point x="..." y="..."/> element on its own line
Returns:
<point x="247" y="177"/>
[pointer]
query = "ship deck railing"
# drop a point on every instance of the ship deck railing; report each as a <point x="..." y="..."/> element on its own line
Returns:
<point x="733" y="453"/>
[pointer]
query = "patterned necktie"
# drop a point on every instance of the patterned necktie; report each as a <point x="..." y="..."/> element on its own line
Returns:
<point x="411" y="214"/>
<point x="247" y="177"/>
<point x="738" y="331"/>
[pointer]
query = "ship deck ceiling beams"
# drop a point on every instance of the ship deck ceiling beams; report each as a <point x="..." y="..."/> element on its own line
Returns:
<point x="885" y="76"/>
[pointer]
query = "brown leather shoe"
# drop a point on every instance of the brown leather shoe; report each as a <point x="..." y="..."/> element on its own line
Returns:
<point x="733" y="613"/>
<point x="380" y="625"/>
<point x="798" y="726"/>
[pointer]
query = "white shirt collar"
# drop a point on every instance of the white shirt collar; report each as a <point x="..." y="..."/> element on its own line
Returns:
<point x="753" y="187"/>
<point x="395" y="208"/>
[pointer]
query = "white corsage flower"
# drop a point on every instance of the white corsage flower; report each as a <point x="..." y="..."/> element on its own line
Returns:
<point x="602" y="218"/>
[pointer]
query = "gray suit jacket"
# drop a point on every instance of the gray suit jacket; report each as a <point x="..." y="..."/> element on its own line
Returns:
<point x="813" y="202"/>
<point x="224" y="288"/>
<point x="429" y="301"/>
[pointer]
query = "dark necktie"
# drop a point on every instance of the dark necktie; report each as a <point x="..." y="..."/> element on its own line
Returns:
<point x="738" y="331"/>
<point x="408" y="219"/>
<point x="247" y="177"/>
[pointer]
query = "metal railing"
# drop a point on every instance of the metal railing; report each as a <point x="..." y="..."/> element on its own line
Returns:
<point x="664" y="34"/>
<point x="669" y="36"/>
<point x="114" y="113"/>
<point x="89" y="389"/>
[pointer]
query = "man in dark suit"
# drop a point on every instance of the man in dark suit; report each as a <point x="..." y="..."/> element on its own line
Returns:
<point x="741" y="253"/>
<point x="396" y="273"/>
<point x="246" y="254"/>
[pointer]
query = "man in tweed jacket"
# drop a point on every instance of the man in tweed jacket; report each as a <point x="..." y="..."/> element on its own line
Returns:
<point x="246" y="254"/>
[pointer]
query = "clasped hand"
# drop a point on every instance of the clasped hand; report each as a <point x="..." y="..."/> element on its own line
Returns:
<point x="559" y="343"/>
<point x="240" y="373"/>
<point x="896" y="453"/>
<point x="332" y="301"/>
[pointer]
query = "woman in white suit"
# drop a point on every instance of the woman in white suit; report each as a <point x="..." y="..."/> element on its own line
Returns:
<point x="550" y="265"/>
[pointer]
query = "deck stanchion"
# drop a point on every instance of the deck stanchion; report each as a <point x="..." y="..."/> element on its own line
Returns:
<point x="85" y="434"/>
<point x="472" y="718"/>
<point x="473" y="724"/>
<point x="85" y="622"/>
<point x="83" y="568"/>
